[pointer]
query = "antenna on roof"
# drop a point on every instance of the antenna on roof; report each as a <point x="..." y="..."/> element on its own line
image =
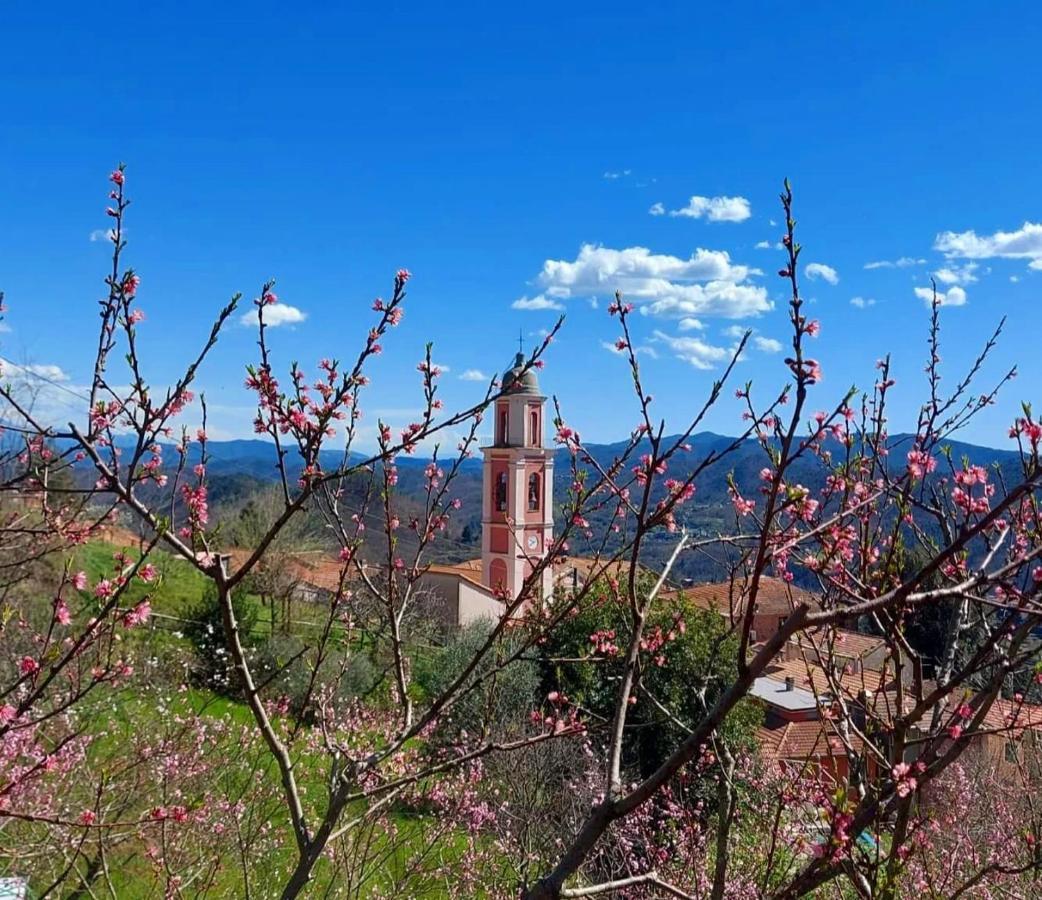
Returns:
<point x="521" y="340"/>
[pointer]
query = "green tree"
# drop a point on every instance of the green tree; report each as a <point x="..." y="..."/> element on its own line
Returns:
<point x="689" y="658"/>
<point x="213" y="664"/>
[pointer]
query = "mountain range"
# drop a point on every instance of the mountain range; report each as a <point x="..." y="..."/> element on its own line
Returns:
<point x="238" y="469"/>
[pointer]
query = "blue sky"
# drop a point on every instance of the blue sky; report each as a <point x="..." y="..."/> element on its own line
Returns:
<point x="484" y="149"/>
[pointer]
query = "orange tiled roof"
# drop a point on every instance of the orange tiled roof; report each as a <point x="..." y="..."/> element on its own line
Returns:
<point x="585" y="567"/>
<point x="813" y="677"/>
<point x="469" y="570"/>
<point x="882" y="697"/>
<point x="846" y="643"/>
<point x="774" y="596"/>
<point x="1008" y="715"/>
<point x="803" y="740"/>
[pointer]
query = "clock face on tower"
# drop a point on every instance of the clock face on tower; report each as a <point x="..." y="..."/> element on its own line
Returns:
<point x="533" y="542"/>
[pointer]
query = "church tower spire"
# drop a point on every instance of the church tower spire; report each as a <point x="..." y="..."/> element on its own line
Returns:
<point x="517" y="505"/>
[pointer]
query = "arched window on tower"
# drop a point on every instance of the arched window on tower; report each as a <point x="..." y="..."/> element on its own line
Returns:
<point x="534" y="425"/>
<point x="500" y="498"/>
<point x="501" y="438"/>
<point x="534" y="491"/>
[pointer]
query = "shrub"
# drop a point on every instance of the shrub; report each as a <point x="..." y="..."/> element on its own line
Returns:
<point x="503" y="701"/>
<point x="205" y="629"/>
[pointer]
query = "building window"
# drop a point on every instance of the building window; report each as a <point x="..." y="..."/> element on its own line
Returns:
<point x="533" y="491"/>
<point x="502" y="427"/>
<point x="500" y="498"/>
<point x="534" y="419"/>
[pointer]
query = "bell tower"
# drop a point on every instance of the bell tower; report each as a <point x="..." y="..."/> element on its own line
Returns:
<point x="517" y="506"/>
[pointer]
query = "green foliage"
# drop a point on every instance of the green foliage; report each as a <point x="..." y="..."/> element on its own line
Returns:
<point x="205" y="630"/>
<point x="687" y="660"/>
<point x="283" y="663"/>
<point x="503" y="701"/>
<point x="177" y="590"/>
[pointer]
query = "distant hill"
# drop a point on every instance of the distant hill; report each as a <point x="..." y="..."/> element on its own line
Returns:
<point x="241" y="467"/>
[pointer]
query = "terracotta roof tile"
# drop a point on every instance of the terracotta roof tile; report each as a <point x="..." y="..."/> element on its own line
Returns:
<point x="846" y="643"/>
<point x="804" y="740"/>
<point x="774" y="596"/>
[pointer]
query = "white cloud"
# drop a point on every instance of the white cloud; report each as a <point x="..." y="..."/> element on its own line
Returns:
<point x="814" y="271"/>
<point x="614" y="176"/>
<point x="862" y="302"/>
<point x="705" y="284"/>
<point x="767" y="245"/>
<point x="903" y="263"/>
<point x="954" y="296"/>
<point x="717" y="298"/>
<point x="657" y="209"/>
<point x="1024" y="243"/>
<point x="102" y="234"/>
<point x="473" y="375"/>
<point x="714" y="209"/>
<point x="32" y="371"/>
<point x="1014" y="278"/>
<point x="275" y="315"/>
<point x="957" y="274"/>
<point x="767" y="345"/>
<point x="694" y="351"/>
<point x="538" y="302"/>
<point x="597" y="267"/>
<point x="45" y="390"/>
<point x="735" y="331"/>
<point x="690" y="324"/>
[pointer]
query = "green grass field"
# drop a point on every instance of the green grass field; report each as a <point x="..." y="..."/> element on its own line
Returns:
<point x="399" y="849"/>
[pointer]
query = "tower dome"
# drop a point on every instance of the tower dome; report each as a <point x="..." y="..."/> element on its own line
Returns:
<point x="516" y="379"/>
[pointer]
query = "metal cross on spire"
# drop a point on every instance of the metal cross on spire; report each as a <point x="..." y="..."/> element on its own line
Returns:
<point x="521" y="341"/>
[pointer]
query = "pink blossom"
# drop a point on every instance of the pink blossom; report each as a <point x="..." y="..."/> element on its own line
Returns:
<point x="28" y="666"/>
<point x="920" y="463"/>
<point x="742" y="506"/>
<point x="138" y="615"/>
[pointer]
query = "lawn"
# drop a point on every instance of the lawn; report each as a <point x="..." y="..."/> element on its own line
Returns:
<point x="122" y="720"/>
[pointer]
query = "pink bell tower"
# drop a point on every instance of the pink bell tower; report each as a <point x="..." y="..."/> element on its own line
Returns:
<point x="517" y="507"/>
